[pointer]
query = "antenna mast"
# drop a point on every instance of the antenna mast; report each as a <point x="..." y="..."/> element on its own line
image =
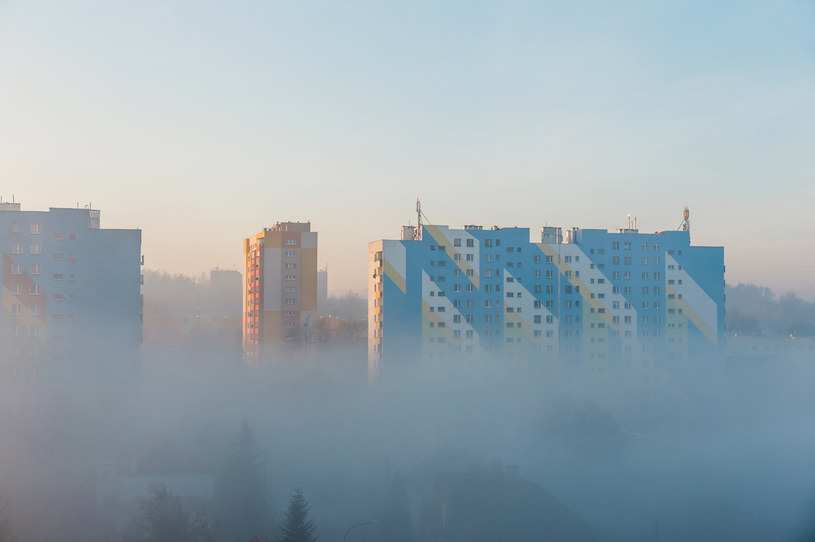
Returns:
<point x="685" y="225"/>
<point x="422" y="218"/>
<point x="418" y="234"/>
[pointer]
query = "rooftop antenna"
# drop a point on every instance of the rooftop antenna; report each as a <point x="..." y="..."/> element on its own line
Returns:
<point x="419" y="215"/>
<point x="685" y="225"/>
<point x="418" y="234"/>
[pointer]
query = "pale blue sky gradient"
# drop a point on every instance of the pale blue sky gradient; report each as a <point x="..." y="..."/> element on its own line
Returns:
<point x="203" y="122"/>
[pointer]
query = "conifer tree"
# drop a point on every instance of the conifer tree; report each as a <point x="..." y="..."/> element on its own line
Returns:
<point x="298" y="527"/>
<point x="243" y="496"/>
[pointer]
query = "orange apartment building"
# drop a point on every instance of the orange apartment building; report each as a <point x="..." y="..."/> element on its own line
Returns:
<point x="280" y="289"/>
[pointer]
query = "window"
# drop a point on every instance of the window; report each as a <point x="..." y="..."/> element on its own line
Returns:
<point x="290" y="301"/>
<point x="34" y="289"/>
<point x="17" y="248"/>
<point x="36" y="229"/>
<point x="469" y="273"/>
<point x="291" y="277"/>
<point x="291" y="242"/>
<point x="627" y="246"/>
<point x="59" y="257"/>
<point x="58" y="276"/>
<point x="291" y="253"/>
<point x="34" y="309"/>
<point x="470" y="242"/>
<point x="16" y="269"/>
<point x="16" y="308"/>
<point x="537" y="319"/>
<point x="15" y="228"/>
<point x="291" y="266"/>
<point x="487" y="242"/>
<point x="469" y="257"/>
<point x="34" y="330"/>
<point x="291" y="290"/>
<point x="457" y="242"/>
<point x="456" y="257"/>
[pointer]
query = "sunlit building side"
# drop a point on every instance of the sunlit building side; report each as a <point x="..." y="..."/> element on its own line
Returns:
<point x="590" y="298"/>
<point x="71" y="291"/>
<point x="280" y="289"/>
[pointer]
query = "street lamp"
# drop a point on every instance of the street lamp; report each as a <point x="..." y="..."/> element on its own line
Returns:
<point x="372" y="522"/>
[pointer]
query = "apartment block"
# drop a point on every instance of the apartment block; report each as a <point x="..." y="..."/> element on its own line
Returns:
<point x="280" y="289"/>
<point x="584" y="297"/>
<point x="71" y="291"/>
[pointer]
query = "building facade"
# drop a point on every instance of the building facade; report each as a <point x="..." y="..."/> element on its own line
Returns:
<point x="280" y="289"/>
<point x="594" y="299"/>
<point x="71" y="291"/>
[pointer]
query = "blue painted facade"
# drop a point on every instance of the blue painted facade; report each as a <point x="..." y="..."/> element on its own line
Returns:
<point x="598" y="300"/>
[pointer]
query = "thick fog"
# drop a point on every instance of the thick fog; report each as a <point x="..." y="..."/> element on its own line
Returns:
<point x="429" y="450"/>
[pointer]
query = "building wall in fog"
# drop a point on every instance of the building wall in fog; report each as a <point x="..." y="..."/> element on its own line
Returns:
<point x="280" y="288"/>
<point x="596" y="300"/>
<point x="322" y="291"/>
<point x="71" y="291"/>
<point x="225" y="292"/>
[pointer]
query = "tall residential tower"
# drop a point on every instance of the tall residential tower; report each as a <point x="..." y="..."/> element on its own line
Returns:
<point x="280" y="289"/>
<point x="593" y="299"/>
<point x="71" y="291"/>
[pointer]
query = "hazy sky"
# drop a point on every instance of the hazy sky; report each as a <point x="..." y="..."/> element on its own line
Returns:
<point x="202" y="122"/>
